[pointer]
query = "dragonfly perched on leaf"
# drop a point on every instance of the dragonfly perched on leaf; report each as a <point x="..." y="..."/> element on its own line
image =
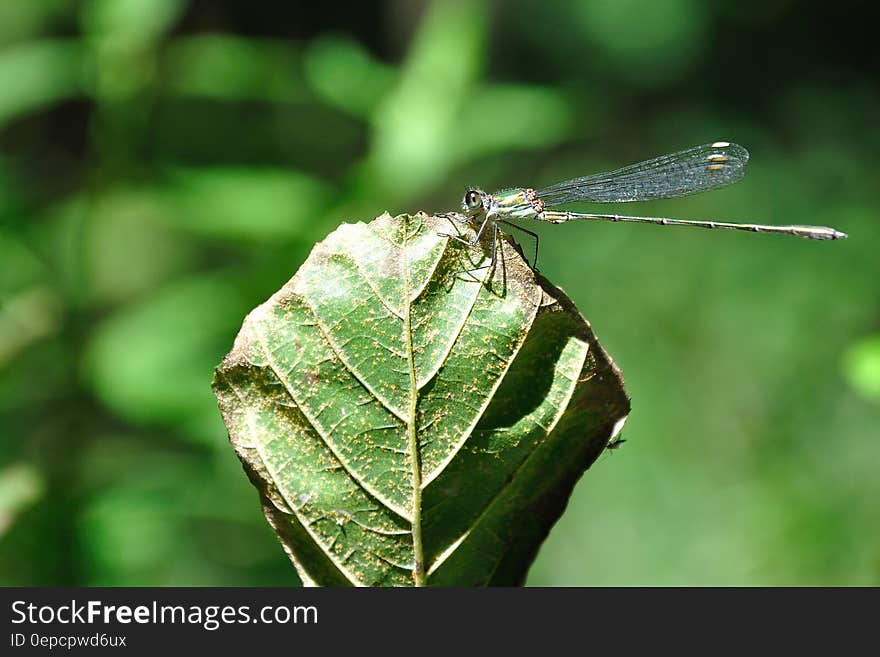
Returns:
<point x="696" y="169"/>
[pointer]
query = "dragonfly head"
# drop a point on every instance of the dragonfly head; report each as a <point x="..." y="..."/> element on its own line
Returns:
<point x="475" y="201"/>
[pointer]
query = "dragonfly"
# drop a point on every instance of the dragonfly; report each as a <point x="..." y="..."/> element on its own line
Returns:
<point x="698" y="169"/>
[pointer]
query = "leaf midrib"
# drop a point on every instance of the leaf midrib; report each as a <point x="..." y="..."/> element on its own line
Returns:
<point x="411" y="433"/>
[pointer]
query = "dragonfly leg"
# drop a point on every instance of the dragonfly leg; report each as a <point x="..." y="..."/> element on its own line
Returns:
<point x="457" y="239"/>
<point x="494" y="261"/>
<point x="494" y="245"/>
<point x="473" y="242"/>
<point x="528" y="232"/>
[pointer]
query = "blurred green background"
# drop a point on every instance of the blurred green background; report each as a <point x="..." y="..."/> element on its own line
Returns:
<point x="165" y="165"/>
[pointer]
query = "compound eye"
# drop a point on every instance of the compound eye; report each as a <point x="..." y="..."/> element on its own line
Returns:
<point x="472" y="199"/>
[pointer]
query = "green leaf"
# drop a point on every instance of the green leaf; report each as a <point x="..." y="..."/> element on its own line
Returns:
<point x="407" y="421"/>
<point x="36" y="74"/>
<point x="243" y="203"/>
<point x="228" y="67"/>
<point x="344" y="74"/>
<point x="146" y="361"/>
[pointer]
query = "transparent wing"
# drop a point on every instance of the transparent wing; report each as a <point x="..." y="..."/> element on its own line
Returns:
<point x="697" y="169"/>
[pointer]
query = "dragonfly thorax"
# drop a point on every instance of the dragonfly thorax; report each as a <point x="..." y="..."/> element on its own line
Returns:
<point x="519" y="203"/>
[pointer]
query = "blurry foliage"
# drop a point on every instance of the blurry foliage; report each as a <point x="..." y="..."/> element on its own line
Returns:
<point x="863" y="367"/>
<point x="166" y="165"/>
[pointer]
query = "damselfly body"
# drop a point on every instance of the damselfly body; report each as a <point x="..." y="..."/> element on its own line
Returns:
<point x="697" y="169"/>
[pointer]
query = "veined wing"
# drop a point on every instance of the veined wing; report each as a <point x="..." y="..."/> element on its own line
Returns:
<point x="697" y="169"/>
